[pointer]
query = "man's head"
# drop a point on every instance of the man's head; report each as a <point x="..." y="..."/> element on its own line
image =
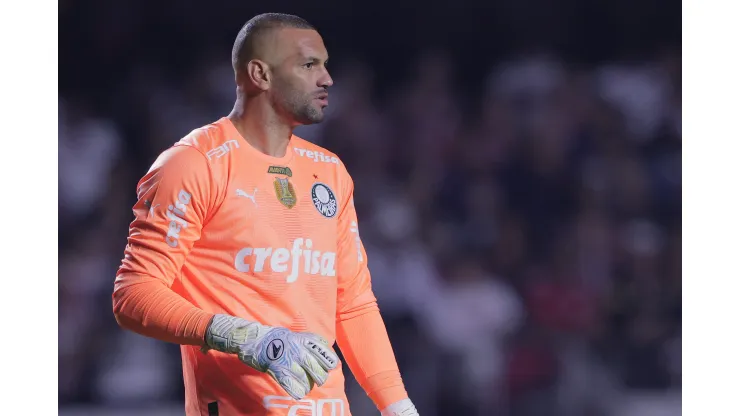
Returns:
<point x="283" y="57"/>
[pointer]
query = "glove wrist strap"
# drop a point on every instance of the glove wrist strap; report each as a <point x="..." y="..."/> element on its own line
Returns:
<point x="401" y="408"/>
<point x="226" y="333"/>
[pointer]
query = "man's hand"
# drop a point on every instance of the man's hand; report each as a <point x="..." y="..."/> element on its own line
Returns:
<point x="296" y="360"/>
<point x="400" y="408"/>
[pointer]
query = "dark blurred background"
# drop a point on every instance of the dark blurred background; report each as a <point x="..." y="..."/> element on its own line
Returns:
<point x="518" y="182"/>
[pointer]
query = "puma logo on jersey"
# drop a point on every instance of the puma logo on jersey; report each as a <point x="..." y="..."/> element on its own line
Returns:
<point x="297" y="259"/>
<point x="246" y="195"/>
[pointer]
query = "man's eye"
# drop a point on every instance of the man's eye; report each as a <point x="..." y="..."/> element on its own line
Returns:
<point x="308" y="65"/>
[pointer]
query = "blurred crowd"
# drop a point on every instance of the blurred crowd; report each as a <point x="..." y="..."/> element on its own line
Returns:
<point x="524" y="239"/>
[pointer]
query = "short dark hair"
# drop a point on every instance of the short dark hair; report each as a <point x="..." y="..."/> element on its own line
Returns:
<point x="246" y="40"/>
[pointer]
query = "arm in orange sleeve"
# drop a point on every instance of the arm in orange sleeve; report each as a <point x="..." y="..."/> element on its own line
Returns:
<point x="361" y="333"/>
<point x="174" y="199"/>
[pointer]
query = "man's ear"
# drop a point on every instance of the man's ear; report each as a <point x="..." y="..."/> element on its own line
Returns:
<point x="258" y="74"/>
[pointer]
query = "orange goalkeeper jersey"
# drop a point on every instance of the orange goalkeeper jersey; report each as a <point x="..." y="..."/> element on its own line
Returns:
<point x="268" y="239"/>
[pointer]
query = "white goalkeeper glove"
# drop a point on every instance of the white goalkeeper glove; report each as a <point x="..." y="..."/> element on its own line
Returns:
<point x="400" y="408"/>
<point x="296" y="360"/>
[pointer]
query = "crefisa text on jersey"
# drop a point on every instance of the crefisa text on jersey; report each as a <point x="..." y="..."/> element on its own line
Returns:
<point x="279" y="260"/>
<point x="317" y="156"/>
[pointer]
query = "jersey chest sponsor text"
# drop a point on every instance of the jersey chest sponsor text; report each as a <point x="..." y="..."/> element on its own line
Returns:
<point x="300" y="257"/>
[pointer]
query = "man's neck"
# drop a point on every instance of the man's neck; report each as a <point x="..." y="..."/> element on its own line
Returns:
<point x="261" y="126"/>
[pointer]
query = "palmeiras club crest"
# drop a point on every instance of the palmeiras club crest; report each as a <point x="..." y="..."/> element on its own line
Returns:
<point x="324" y="200"/>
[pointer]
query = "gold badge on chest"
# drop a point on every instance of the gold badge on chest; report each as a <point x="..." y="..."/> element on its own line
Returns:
<point x="283" y="188"/>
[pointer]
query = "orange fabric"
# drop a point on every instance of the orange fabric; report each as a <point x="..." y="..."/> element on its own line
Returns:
<point x="152" y="309"/>
<point x="367" y="349"/>
<point x="232" y="230"/>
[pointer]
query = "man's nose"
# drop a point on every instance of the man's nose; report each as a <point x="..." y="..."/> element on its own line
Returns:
<point x="326" y="81"/>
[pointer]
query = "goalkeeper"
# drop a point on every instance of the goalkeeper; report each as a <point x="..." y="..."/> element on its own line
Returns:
<point x="245" y="250"/>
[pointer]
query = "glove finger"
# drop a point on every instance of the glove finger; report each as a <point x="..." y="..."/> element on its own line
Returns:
<point x="317" y="337"/>
<point x="323" y="353"/>
<point x="294" y="380"/>
<point x="317" y="373"/>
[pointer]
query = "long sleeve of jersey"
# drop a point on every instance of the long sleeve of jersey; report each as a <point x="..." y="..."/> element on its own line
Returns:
<point x="361" y="333"/>
<point x="174" y="199"/>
